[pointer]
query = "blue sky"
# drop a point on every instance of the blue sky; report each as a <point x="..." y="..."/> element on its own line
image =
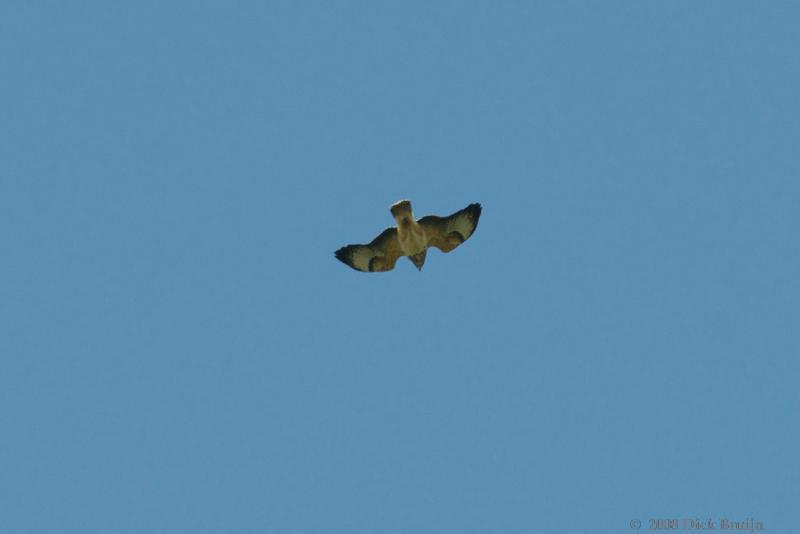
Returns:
<point x="181" y="352"/>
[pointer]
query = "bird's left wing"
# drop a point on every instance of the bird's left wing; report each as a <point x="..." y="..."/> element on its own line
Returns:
<point x="379" y="255"/>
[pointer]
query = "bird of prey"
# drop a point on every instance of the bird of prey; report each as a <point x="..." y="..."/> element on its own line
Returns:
<point x="411" y="238"/>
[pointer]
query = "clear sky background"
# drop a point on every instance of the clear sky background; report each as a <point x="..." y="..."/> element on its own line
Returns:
<point x="181" y="352"/>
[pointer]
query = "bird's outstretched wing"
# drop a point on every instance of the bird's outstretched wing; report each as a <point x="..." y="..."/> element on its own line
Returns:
<point x="446" y="233"/>
<point x="379" y="255"/>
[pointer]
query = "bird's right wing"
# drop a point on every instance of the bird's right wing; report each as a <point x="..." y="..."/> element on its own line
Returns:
<point x="379" y="255"/>
<point x="446" y="233"/>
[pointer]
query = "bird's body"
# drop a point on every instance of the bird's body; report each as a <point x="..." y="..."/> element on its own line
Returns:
<point x="411" y="238"/>
<point x="410" y="234"/>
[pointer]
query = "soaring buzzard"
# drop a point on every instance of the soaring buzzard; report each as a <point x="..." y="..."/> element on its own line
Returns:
<point x="411" y="238"/>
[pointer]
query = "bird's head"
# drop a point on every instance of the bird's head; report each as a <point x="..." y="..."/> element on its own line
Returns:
<point x="400" y="208"/>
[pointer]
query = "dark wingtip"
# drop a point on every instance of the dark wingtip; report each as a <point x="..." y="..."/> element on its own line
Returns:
<point x="344" y="255"/>
<point x="474" y="211"/>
